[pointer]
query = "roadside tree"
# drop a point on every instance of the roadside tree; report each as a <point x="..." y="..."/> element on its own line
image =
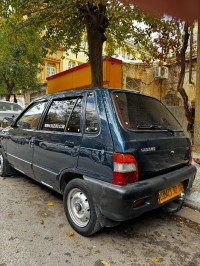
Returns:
<point x="21" y="56"/>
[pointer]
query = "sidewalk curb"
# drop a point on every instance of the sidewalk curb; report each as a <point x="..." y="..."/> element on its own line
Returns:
<point x="192" y="199"/>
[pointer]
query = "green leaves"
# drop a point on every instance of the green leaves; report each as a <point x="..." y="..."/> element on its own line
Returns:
<point x="21" y="52"/>
<point x="66" y="22"/>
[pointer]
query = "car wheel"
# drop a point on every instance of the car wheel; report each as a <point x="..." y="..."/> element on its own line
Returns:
<point x="79" y="208"/>
<point x="5" y="168"/>
<point x="3" y="165"/>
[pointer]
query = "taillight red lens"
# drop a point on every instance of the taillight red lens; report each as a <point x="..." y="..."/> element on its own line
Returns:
<point x="125" y="169"/>
<point x="123" y="158"/>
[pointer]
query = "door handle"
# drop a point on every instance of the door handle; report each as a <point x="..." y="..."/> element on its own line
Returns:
<point x="69" y="144"/>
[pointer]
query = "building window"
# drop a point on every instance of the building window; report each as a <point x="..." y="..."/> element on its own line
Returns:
<point x="71" y="64"/>
<point x="85" y="45"/>
<point x="51" y="69"/>
<point x="132" y="84"/>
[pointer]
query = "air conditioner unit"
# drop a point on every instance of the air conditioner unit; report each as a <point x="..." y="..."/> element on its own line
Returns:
<point x="161" y="72"/>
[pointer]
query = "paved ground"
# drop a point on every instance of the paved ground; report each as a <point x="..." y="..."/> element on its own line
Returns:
<point x="34" y="231"/>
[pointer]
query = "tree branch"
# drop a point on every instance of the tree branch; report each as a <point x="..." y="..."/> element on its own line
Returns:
<point x="180" y="88"/>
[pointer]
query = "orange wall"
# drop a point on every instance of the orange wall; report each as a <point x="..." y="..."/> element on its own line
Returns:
<point x="80" y="77"/>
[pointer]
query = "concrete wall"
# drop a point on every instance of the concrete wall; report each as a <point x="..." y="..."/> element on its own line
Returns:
<point x="159" y="88"/>
<point x="172" y="81"/>
<point x="163" y="89"/>
<point x="179" y="113"/>
<point x="145" y="76"/>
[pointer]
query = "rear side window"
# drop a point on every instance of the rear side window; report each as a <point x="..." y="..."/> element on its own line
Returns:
<point x="74" y="124"/>
<point x="142" y="112"/>
<point x="91" y="115"/>
<point x="58" y="115"/>
<point x="31" y="117"/>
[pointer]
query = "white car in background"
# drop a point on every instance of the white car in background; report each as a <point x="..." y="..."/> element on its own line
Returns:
<point x="9" y="110"/>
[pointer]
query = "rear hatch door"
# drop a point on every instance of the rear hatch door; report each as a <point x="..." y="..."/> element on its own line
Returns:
<point x="151" y="133"/>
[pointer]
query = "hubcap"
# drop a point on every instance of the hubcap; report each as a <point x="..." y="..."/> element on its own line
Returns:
<point x="78" y="207"/>
<point x="1" y="164"/>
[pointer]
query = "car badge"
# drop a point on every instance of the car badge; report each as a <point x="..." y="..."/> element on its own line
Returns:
<point x="149" y="149"/>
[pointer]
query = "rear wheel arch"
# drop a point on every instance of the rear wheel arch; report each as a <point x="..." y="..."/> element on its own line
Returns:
<point x="65" y="177"/>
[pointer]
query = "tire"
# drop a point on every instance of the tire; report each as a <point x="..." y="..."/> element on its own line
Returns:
<point x="79" y="208"/>
<point x="3" y="165"/>
<point x="5" y="168"/>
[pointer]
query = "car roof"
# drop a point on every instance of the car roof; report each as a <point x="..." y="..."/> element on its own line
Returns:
<point x="78" y="92"/>
<point x="9" y="102"/>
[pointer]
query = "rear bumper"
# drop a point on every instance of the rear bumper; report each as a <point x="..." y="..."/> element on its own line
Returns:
<point x="116" y="202"/>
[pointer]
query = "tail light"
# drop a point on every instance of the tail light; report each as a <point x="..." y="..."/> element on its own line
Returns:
<point x="125" y="169"/>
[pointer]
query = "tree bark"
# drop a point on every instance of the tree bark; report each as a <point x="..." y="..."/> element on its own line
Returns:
<point x="180" y="88"/>
<point x="96" y="23"/>
<point x="9" y="89"/>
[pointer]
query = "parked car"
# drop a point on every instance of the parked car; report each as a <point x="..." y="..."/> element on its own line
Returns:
<point x="8" y="110"/>
<point x="113" y="154"/>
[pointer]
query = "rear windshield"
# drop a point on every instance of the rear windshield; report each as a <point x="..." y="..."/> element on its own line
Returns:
<point x="10" y="107"/>
<point x="139" y="112"/>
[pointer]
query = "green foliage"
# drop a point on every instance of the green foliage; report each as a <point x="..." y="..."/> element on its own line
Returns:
<point x="21" y="53"/>
<point x="65" y="22"/>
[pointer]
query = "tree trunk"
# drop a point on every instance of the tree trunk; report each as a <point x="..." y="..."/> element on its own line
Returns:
<point x="180" y="88"/>
<point x="96" y="23"/>
<point x="9" y="88"/>
<point x="95" y="56"/>
<point x="8" y="97"/>
<point x="9" y="93"/>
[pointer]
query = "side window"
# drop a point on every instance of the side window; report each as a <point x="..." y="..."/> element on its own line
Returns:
<point x="91" y="115"/>
<point x="31" y="117"/>
<point x="74" y="124"/>
<point x="58" y="115"/>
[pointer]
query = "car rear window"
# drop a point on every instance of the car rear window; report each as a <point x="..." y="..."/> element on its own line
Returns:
<point x="138" y="112"/>
<point x="10" y="107"/>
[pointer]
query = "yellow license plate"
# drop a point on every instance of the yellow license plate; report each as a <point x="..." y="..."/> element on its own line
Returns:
<point x="170" y="192"/>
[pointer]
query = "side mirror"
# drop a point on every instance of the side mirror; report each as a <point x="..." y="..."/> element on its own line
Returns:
<point x="7" y="121"/>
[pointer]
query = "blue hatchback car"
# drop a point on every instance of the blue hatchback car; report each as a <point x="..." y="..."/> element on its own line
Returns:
<point x="113" y="154"/>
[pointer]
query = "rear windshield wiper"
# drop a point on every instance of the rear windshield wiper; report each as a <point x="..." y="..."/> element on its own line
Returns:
<point x="155" y="127"/>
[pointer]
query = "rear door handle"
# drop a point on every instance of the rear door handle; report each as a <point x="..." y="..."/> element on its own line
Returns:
<point x="69" y="144"/>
